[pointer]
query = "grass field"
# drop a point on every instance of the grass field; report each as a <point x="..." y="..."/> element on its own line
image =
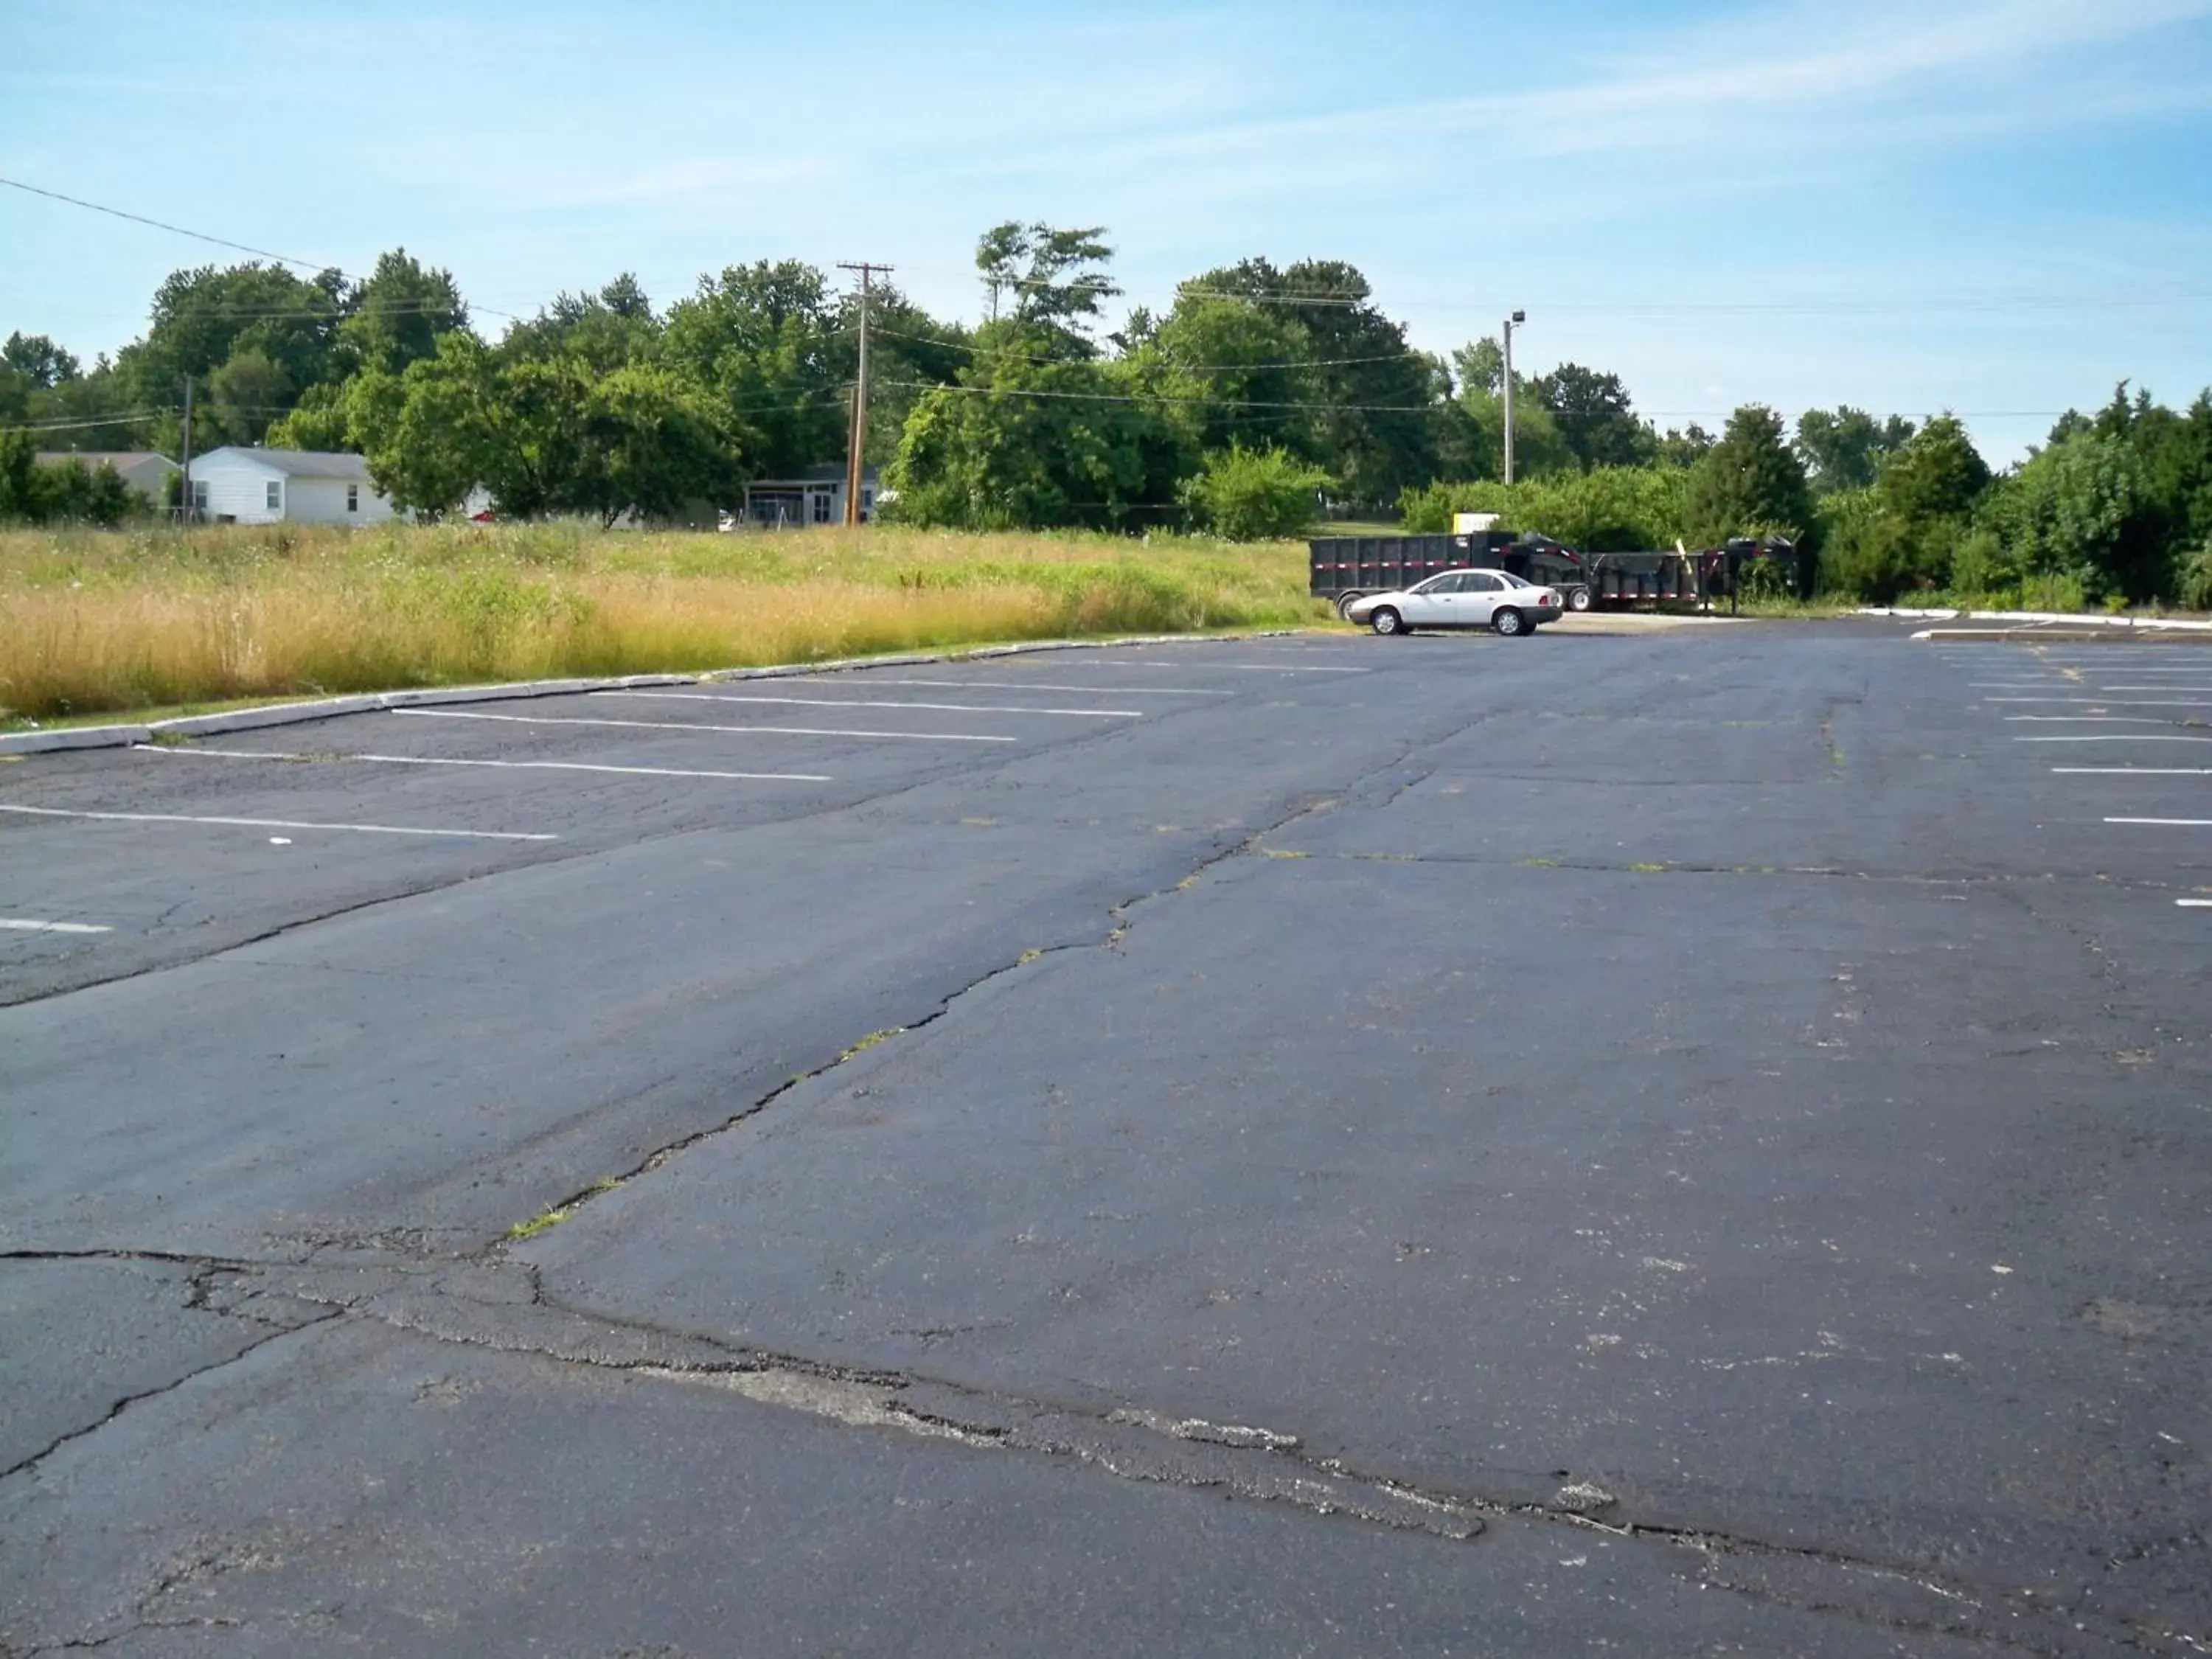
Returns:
<point x="93" y="622"/>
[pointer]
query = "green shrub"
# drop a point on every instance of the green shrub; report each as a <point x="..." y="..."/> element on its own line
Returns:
<point x="2192" y="583"/>
<point x="1254" y="495"/>
<point x="1609" y="509"/>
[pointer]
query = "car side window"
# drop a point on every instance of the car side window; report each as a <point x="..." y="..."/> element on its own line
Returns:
<point x="1477" y="582"/>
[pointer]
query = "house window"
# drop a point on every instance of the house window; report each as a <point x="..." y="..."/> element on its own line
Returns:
<point x="276" y="497"/>
<point x="199" y="495"/>
<point x="353" y="498"/>
<point x="821" y="507"/>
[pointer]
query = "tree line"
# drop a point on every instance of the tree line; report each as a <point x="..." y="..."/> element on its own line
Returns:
<point x="1260" y="392"/>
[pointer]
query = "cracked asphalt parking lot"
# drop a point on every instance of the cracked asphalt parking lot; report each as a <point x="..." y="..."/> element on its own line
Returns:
<point x="1691" y="1142"/>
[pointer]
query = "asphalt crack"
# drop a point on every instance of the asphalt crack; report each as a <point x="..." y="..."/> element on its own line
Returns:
<point x="1133" y="1443"/>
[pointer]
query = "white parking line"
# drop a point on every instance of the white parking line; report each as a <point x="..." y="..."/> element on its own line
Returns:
<point x="2134" y="771"/>
<point x="2118" y="736"/>
<point x="2094" y="720"/>
<point x="2195" y="904"/>
<point x="2110" y="703"/>
<point x="273" y="824"/>
<point x="519" y="766"/>
<point x="23" y="926"/>
<point x="688" y="725"/>
<point x="855" y="702"/>
<point x="1043" y="685"/>
<point x="2156" y="687"/>
<point x="2169" y="823"/>
<point x="1248" y="667"/>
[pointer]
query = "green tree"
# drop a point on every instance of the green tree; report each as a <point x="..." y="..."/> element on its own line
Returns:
<point x="1376" y="431"/>
<point x="1538" y="445"/>
<point x="764" y="344"/>
<point x="1935" y="475"/>
<point x="649" y="445"/>
<point x="1234" y="374"/>
<point x="42" y="364"/>
<point x="1749" y="483"/>
<point x="1054" y="281"/>
<point x="1028" y="440"/>
<point x="399" y="314"/>
<point x="1842" y="448"/>
<point x="1254" y="495"/>
<point x="1684" y="449"/>
<point x="283" y="329"/>
<point x="20" y="500"/>
<point x="2081" y="509"/>
<point x="427" y="432"/>
<point x="1594" y="416"/>
<point x="606" y="330"/>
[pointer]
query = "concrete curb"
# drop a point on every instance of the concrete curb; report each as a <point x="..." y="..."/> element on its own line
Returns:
<point x="324" y="709"/>
<point x="2045" y="618"/>
<point x="2059" y="636"/>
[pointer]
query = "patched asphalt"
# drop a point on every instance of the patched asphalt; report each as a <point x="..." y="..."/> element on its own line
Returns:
<point x="1684" y="1141"/>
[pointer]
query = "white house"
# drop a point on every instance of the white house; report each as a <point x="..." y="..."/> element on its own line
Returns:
<point x="237" y="485"/>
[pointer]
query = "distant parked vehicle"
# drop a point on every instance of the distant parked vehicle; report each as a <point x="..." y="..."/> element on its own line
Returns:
<point x="1460" y="598"/>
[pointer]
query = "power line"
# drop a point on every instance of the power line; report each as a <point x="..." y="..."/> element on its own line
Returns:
<point x="1143" y="398"/>
<point x="202" y="236"/>
<point x="1188" y="369"/>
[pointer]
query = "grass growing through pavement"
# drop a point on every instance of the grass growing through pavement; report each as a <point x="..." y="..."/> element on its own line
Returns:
<point x="96" y="620"/>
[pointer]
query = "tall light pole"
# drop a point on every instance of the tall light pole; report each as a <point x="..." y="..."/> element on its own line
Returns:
<point x="1517" y="317"/>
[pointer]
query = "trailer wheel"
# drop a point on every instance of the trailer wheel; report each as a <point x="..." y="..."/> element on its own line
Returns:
<point x="1386" y="621"/>
<point x="1346" y="601"/>
<point x="1509" y="622"/>
<point x="1579" y="600"/>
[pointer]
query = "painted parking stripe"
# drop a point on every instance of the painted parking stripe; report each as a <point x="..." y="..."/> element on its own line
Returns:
<point x="2195" y="904"/>
<point x="2167" y="823"/>
<point x="2117" y="736"/>
<point x="273" y="824"/>
<point x="18" y="924"/>
<point x="2206" y="689"/>
<point x="517" y="766"/>
<point x="2134" y="771"/>
<point x="1248" y="667"/>
<point x="2093" y="719"/>
<point x="855" y="702"/>
<point x="1043" y="685"/>
<point x="688" y="725"/>
<point x="2112" y="702"/>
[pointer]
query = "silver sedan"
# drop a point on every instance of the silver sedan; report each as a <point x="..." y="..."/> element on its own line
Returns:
<point x="1460" y="598"/>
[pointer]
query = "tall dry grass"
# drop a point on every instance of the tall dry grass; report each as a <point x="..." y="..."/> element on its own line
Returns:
<point x="93" y="622"/>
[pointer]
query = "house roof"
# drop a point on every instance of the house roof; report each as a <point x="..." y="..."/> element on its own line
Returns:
<point x="96" y="459"/>
<point x="300" y="463"/>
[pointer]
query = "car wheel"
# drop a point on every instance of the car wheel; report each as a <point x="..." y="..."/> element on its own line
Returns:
<point x="1579" y="600"/>
<point x="1387" y="621"/>
<point x="1346" y="601"/>
<point x="1509" y="622"/>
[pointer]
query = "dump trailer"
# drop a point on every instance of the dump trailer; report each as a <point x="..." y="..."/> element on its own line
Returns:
<point x="1343" y="568"/>
<point x="1347" y="567"/>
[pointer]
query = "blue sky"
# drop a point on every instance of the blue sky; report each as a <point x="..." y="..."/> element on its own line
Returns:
<point x="1996" y="206"/>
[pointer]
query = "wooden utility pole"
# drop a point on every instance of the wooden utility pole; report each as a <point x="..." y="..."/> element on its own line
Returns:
<point x="184" y="485"/>
<point x="857" y="439"/>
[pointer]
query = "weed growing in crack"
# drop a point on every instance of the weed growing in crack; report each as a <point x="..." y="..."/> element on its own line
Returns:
<point x="868" y="1043"/>
<point x="538" y="1223"/>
